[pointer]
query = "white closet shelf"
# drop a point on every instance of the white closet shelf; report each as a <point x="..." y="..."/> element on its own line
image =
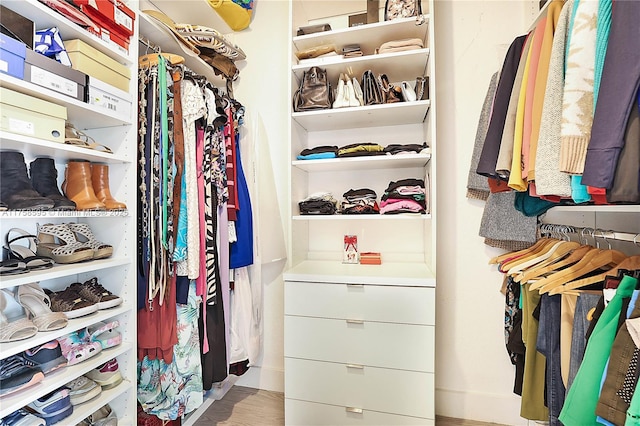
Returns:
<point x="87" y="408"/>
<point x="60" y="270"/>
<point x="45" y="17"/>
<point x="74" y="324"/>
<point x="365" y="116"/>
<point x="363" y="163"/>
<point x="414" y="64"/>
<point x="167" y="43"/>
<point x="35" y="147"/>
<point x="59" y="377"/>
<point x="390" y="273"/>
<point x="369" y="36"/>
<point x="81" y="114"/>
<point x="598" y="209"/>
<point x="358" y="217"/>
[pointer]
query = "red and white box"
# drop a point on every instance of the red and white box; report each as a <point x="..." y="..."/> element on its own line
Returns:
<point x="113" y="11"/>
<point x="350" y="252"/>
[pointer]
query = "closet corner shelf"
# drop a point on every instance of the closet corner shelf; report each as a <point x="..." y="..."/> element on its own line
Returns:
<point x="363" y="163"/>
<point x="365" y="116"/>
<point x="44" y="17"/>
<point x="358" y="217"/>
<point x="414" y="63"/>
<point x="35" y="147"/>
<point x="55" y="379"/>
<point x="81" y="114"/>
<point x="598" y="209"/>
<point x="369" y="36"/>
<point x="389" y="273"/>
<point x="161" y="37"/>
<point x="60" y="271"/>
<point x="74" y="324"/>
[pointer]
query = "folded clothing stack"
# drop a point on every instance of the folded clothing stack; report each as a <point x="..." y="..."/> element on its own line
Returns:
<point x="351" y="51"/>
<point x="360" y="201"/>
<point x="318" y="153"/>
<point x="410" y="148"/>
<point x="400" y="45"/>
<point x="404" y="196"/>
<point x="318" y="203"/>
<point x="361" y="149"/>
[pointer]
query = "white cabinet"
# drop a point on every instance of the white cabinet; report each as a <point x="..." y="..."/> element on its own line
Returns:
<point x="116" y="273"/>
<point x="358" y="350"/>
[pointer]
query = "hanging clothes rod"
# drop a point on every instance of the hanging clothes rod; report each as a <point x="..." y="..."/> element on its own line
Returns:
<point x="596" y="233"/>
<point x="149" y="44"/>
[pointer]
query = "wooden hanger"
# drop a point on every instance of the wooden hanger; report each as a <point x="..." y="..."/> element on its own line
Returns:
<point x="537" y="272"/>
<point x="592" y="261"/>
<point x="151" y="59"/>
<point x="631" y="263"/>
<point x="546" y="253"/>
<point x="554" y="254"/>
<point x="512" y="254"/>
<point x="547" y="244"/>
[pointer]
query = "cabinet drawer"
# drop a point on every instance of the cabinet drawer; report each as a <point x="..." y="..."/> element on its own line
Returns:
<point x="410" y="305"/>
<point x="314" y="414"/>
<point x="400" y="392"/>
<point x="401" y="346"/>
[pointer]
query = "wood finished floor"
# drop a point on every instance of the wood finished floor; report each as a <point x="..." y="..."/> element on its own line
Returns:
<point x="243" y="406"/>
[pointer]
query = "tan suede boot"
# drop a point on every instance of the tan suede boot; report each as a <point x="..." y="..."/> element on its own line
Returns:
<point x="100" y="179"/>
<point x="78" y="188"/>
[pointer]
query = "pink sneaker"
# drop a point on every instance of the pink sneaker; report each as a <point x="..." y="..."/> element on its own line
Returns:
<point x="76" y="350"/>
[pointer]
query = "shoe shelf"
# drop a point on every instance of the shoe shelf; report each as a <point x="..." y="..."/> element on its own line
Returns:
<point x="363" y="163"/>
<point x="369" y="36"/>
<point x="74" y="324"/>
<point x="365" y="116"/>
<point x="58" y="378"/>
<point x="45" y="17"/>
<point x="359" y="217"/>
<point x="34" y="147"/>
<point x="81" y="114"/>
<point x="414" y="63"/>
<point x="62" y="270"/>
<point x="85" y="409"/>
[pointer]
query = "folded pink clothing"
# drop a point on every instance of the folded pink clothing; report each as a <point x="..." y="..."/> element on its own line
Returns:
<point x="400" y="205"/>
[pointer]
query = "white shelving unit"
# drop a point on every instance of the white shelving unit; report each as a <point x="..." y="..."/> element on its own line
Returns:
<point x="345" y="307"/>
<point x="117" y="273"/>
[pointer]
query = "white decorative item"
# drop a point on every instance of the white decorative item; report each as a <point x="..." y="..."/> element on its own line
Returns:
<point x="350" y="252"/>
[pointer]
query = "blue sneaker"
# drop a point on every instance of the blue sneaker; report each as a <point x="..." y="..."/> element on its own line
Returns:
<point x="52" y="407"/>
<point x="22" y="418"/>
<point x="47" y="357"/>
<point x="16" y="374"/>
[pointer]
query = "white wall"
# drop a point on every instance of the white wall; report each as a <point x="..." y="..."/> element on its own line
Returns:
<point x="474" y="377"/>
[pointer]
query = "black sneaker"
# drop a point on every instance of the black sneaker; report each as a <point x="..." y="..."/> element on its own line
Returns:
<point x="47" y="357"/>
<point x="16" y="373"/>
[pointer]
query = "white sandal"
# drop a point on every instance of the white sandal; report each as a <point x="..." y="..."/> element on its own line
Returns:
<point x="38" y="307"/>
<point x="100" y="250"/>
<point x="20" y="329"/>
<point x="69" y="251"/>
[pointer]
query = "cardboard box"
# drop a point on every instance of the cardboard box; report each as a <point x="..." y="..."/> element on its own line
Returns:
<point x="114" y="11"/>
<point x="26" y="115"/>
<point x="370" y="258"/>
<point x="108" y="97"/>
<point x="12" y="54"/>
<point x="17" y="26"/>
<point x="49" y="73"/>
<point x="96" y="64"/>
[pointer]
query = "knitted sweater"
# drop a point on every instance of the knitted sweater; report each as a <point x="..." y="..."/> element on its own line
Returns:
<point x="477" y="186"/>
<point x="577" y="101"/>
<point x="549" y="179"/>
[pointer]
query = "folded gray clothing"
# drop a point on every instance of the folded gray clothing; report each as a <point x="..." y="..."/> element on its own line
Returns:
<point x="357" y="194"/>
<point x="477" y="186"/>
<point x="501" y="220"/>
<point x="396" y="148"/>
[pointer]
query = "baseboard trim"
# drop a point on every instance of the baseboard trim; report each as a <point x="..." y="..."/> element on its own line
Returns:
<point x="485" y="407"/>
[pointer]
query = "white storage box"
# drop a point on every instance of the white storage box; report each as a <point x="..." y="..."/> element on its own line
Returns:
<point x="109" y="97"/>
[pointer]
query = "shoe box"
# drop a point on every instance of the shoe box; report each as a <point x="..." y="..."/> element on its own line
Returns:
<point x="96" y="64"/>
<point x="26" y="115"/>
<point x="114" y="19"/>
<point x="49" y="73"/>
<point x="12" y="53"/>
<point x="17" y="26"/>
<point x="108" y="97"/>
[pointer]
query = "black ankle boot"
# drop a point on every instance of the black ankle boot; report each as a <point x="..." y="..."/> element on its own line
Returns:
<point x="44" y="178"/>
<point x="15" y="188"/>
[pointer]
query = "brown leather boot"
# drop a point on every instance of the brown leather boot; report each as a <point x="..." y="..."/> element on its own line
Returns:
<point x="78" y="188"/>
<point x="100" y="179"/>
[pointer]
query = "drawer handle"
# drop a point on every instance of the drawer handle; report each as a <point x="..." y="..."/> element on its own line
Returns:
<point x="355" y="285"/>
<point x="354" y="321"/>
<point x="358" y="366"/>
<point x="353" y="410"/>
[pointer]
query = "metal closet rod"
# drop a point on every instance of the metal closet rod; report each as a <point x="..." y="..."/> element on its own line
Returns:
<point x="605" y="234"/>
<point x="149" y="44"/>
